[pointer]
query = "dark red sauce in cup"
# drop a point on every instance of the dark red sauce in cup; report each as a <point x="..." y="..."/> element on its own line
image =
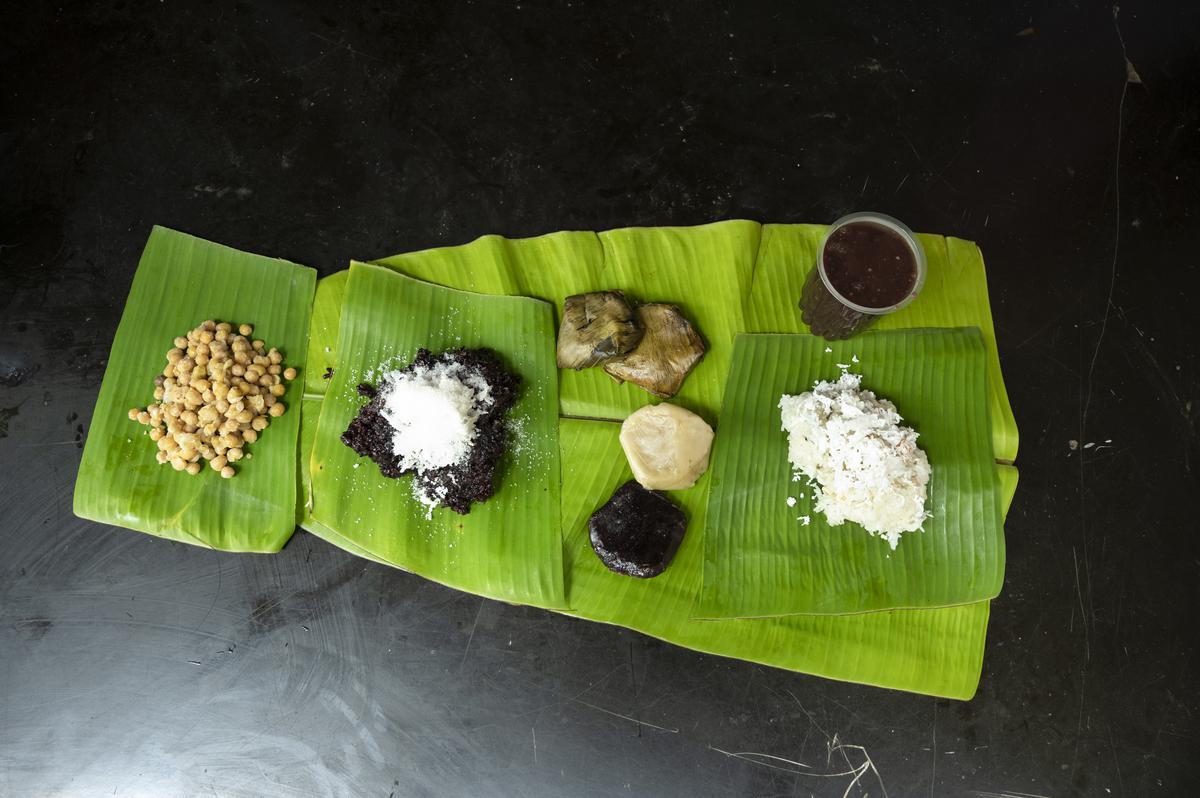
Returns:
<point x="868" y="265"/>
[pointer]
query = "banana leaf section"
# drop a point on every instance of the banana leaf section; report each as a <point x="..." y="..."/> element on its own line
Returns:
<point x="181" y="281"/>
<point x="935" y="651"/>
<point x="955" y="295"/>
<point x="308" y="433"/>
<point x="507" y="548"/>
<point x="733" y="276"/>
<point x="705" y="270"/>
<point x="322" y="341"/>
<point x="322" y="357"/>
<point x="769" y="552"/>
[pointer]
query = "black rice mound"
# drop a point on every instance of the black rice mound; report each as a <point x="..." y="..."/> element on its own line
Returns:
<point x="370" y="435"/>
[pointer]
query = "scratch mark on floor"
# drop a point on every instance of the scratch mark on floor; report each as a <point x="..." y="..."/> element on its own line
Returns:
<point x="1087" y="648"/>
<point x="552" y="704"/>
<point x="1112" y="747"/>
<point x="867" y="765"/>
<point x="471" y="636"/>
<point x="933" y="777"/>
<point x="1112" y="281"/>
<point x="216" y="595"/>
<point x="1131" y="76"/>
<point x="812" y="721"/>
<point x="640" y="723"/>
<point x="857" y="772"/>
<point x="752" y="757"/>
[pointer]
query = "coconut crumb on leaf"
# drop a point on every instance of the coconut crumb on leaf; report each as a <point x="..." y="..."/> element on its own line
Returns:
<point x="864" y="465"/>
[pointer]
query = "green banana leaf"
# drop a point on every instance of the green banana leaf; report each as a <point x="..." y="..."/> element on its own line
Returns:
<point x="322" y="356"/>
<point x="936" y="652"/>
<point x="508" y="547"/>
<point x="180" y="282"/>
<point x="705" y="270"/>
<point x="761" y="559"/>
<point x="729" y="277"/>
<point x="932" y="651"/>
<point x="322" y="339"/>
<point x="308" y="433"/>
<point x="955" y="295"/>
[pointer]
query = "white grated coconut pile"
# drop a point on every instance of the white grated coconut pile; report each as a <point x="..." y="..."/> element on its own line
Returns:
<point x="433" y="411"/>
<point x="867" y="466"/>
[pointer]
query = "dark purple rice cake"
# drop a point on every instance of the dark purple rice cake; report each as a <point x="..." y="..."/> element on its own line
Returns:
<point x="455" y="486"/>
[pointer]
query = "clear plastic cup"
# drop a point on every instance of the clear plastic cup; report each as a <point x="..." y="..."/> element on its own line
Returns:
<point x="831" y="315"/>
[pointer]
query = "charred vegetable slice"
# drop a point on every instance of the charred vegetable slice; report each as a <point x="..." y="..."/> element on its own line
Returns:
<point x="669" y="348"/>
<point x="637" y="531"/>
<point x="595" y="327"/>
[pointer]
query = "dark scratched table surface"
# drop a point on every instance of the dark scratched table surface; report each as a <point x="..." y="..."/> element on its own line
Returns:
<point x="1064" y="137"/>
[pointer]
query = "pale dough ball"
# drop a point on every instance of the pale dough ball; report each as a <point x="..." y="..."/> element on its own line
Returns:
<point x="667" y="446"/>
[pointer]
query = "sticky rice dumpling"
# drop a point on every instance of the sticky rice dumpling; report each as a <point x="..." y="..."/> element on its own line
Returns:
<point x="669" y="348"/>
<point x="595" y="327"/>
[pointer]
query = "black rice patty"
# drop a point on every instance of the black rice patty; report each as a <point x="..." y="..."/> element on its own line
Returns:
<point x="370" y="435"/>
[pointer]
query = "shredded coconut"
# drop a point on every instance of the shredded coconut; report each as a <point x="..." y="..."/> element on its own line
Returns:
<point x="863" y="465"/>
<point x="433" y="411"/>
<point x="516" y="434"/>
<point x="430" y="499"/>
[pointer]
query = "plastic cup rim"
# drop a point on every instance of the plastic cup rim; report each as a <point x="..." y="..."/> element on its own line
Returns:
<point x="899" y="227"/>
